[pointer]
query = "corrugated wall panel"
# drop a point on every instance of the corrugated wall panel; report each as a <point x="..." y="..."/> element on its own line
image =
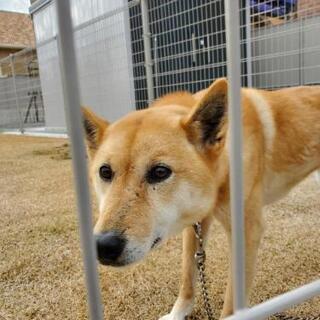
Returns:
<point x="104" y="60"/>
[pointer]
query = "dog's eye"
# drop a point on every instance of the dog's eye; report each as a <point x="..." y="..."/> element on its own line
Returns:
<point x="106" y="172"/>
<point x="158" y="173"/>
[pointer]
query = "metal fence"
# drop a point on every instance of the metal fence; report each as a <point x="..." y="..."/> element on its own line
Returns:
<point x="187" y="40"/>
<point x="21" y="103"/>
<point x="191" y="43"/>
<point x="129" y="54"/>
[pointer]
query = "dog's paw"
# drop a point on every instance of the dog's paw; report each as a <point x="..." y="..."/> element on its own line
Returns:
<point x="180" y="311"/>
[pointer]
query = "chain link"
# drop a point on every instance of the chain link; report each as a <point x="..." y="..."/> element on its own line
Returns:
<point x="200" y="257"/>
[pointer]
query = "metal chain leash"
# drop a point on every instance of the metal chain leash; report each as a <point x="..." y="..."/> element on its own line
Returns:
<point x="200" y="257"/>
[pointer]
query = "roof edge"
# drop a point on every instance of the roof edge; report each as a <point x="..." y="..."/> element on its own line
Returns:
<point x="12" y="46"/>
<point x="38" y="5"/>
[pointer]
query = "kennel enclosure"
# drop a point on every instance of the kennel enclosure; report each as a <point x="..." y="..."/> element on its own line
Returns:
<point x="128" y="55"/>
<point x="269" y="57"/>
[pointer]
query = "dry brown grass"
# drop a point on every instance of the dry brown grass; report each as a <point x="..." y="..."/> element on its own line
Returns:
<point x="41" y="270"/>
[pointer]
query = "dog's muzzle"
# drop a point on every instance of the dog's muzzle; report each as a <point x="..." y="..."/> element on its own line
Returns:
<point x="110" y="246"/>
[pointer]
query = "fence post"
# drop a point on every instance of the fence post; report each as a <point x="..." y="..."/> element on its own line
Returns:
<point x="147" y="49"/>
<point x="126" y="15"/>
<point x="71" y="95"/>
<point x="301" y="52"/>
<point x="16" y="93"/>
<point x="236" y="168"/>
<point x="248" y="43"/>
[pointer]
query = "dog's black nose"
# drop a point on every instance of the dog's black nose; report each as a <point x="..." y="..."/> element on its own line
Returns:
<point x="109" y="246"/>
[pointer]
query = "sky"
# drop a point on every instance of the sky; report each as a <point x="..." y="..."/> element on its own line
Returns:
<point x="15" y="5"/>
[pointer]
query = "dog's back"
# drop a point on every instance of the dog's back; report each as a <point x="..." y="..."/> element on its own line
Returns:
<point x="291" y="122"/>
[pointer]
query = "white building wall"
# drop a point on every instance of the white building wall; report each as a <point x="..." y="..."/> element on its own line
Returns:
<point x="104" y="59"/>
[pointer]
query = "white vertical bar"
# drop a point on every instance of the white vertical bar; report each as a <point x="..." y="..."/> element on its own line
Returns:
<point x="147" y="48"/>
<point x="155" y="48"/>
<point x="126" y="16"/>
<point x="248" y="42"/>
<point x="194" y="53"/>
<point x="301" y="52"/>
<point x="69" y="75"/>
<point x="235" y="124"/>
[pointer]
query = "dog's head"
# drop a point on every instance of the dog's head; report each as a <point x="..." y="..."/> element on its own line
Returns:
<point x="155" y="171"/>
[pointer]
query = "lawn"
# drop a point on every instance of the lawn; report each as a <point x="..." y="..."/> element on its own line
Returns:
<point x="41" y="274"/>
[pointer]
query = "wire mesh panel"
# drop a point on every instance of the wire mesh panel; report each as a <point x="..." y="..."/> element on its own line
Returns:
<point x="183" y="36"/>
<point x="285" y="47"/>
<point x="279" y="45"/>
<point x="10" y="114"/>
<point x="21" y="103"/>
<point x="138" y="60"/>
<point x="184" y="33"/>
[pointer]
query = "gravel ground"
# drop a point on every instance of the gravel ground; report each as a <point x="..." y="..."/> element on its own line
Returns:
<point x="40" y="261"/>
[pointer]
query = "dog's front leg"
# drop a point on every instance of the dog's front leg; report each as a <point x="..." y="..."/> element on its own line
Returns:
<point x="253" y="234"/>
<point x="184" y="304"/>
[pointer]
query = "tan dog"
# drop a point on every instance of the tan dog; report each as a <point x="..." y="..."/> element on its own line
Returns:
<point x="158" y="171"/>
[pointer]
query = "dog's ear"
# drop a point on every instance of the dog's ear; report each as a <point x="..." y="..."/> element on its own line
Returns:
<point x="204" y="123"/>
<point x="94" y="128"/>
